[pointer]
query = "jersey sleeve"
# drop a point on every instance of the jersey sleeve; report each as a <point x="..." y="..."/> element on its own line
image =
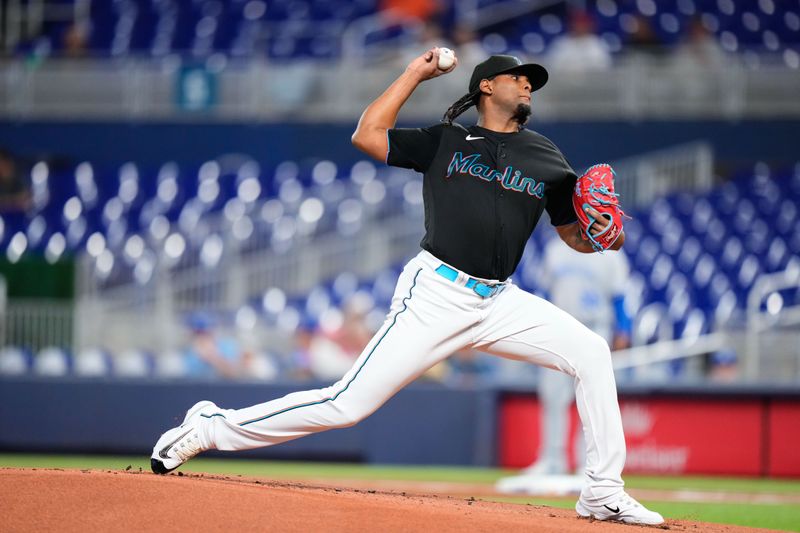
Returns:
<point x="559" y="200"/>
<point x="413" y="148"/>
<point x="559" y="197"/>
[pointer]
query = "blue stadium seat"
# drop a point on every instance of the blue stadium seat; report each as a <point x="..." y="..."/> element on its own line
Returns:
<point x="748" y="271"/>
<point x="132" y="363"/>
<point x="732" y="252"/>
<point x="170" y="365"/>
<point x="692" y="325"/>
<point x="311" y="28"/>
<point x="383" y="286"/>
<point x="660" y="275"/>
<point x="92" y="363"/>
<point x="14" y="361"/>
<point x="688" y="255"/>
<point x="647" y="253"/>
<point x="777" y="255"/>
<point x="786" y="217"/>
<point x="318" y="301"/>
<point x="52" y="361"/>
<point x="691" y="252"/>
<point x="757" y="237"/>
<point x="344" y="286"/>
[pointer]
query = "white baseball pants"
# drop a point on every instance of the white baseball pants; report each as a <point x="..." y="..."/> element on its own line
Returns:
<point x="430" y="318"/>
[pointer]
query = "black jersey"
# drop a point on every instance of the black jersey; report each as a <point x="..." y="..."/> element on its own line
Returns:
<point x="484" y="192"/>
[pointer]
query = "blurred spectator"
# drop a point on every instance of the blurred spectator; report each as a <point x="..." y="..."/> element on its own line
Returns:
<point x="643" y="41"/>
<point x="432" y="35"/>
<point x="342" y="338"/>
<point x="429" y="36"/>
<point x="299" y="363"/>
<point x="211" y="353"/>
<point x="467" y="46"/>
<point x="410" y="9"/>
<point x="254" y="363"/>
<point x="644" y="50"/>
<point x="722" y="366"/>
<point x="700" y="48"/>
<point x="437" y="373"/>
<point x="469" y="367"/>
<point x="699" y="59"/>
<point x="74" y="40"/>
<point x="590" y="287"/>
<point x="580" y="49"/>
<point x="15" y="194"/>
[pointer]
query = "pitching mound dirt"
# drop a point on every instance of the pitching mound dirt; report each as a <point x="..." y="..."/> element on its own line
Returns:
<point x="68" y="500"/>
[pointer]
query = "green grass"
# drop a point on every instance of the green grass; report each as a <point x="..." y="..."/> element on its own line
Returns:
<point x="775" y="516"/>
<point x="716" y="483"/>
<point x="779" y="516"/>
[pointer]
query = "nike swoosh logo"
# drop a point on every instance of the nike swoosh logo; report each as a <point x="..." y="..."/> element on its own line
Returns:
<point x="165" y="449"/>
<point x="471" y="138"/>
<point x="612" y="509"/>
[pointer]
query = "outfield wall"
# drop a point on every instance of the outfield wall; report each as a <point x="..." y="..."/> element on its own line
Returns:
<point x="424" y="424"/>
<point x="720" y="433"/>
<point x="692" y="430"/>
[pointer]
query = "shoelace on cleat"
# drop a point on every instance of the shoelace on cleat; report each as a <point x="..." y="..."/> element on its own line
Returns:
<point x="188" y="447"/>
<point x="628" y="501"/>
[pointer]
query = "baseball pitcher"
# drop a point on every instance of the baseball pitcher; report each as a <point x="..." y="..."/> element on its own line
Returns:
<point x="485" y="188"/>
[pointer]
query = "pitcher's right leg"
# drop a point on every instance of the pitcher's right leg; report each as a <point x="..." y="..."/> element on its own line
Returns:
<point x="523" y="326"/>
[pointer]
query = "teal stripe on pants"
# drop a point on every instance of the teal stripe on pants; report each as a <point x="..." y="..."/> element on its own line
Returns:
<point x="333" y="398"/>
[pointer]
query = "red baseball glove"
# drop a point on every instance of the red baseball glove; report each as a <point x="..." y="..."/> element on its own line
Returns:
<point x="595" y="189"/>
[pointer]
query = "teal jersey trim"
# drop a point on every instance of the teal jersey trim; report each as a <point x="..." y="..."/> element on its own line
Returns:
<point x="333" y="398"/>
<point x="215" y="414"/>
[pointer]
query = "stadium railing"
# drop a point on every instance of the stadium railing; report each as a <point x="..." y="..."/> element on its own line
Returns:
<point x="772" y="326"/>
<point x="238" y="90"/>
<point x="770" y="336"/>
<point x="126" y="312"/>
<point x="641" y="179"/>
<point x="37" y="324"/>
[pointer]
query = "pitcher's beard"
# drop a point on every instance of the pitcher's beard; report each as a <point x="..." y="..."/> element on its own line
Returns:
<point x="521" y="114"/>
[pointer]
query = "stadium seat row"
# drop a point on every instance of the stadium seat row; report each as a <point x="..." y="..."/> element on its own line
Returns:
<point x="286" y="29"/>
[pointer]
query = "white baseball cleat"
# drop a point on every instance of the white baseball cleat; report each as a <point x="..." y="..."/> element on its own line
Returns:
<point x="181" y="443"/>
<point x="622" y="509"/>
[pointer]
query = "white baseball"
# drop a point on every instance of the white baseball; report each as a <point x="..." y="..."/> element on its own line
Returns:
<point x="446" y="58"/>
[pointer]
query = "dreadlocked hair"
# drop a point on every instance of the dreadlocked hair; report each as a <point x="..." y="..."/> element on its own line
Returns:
<point x="461" y="105"/>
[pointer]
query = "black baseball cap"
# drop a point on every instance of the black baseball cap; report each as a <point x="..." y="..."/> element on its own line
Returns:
<point x="502" y="64"/>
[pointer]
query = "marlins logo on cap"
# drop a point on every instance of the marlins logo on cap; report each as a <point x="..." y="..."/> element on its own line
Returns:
<point x="502" y="64"/>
